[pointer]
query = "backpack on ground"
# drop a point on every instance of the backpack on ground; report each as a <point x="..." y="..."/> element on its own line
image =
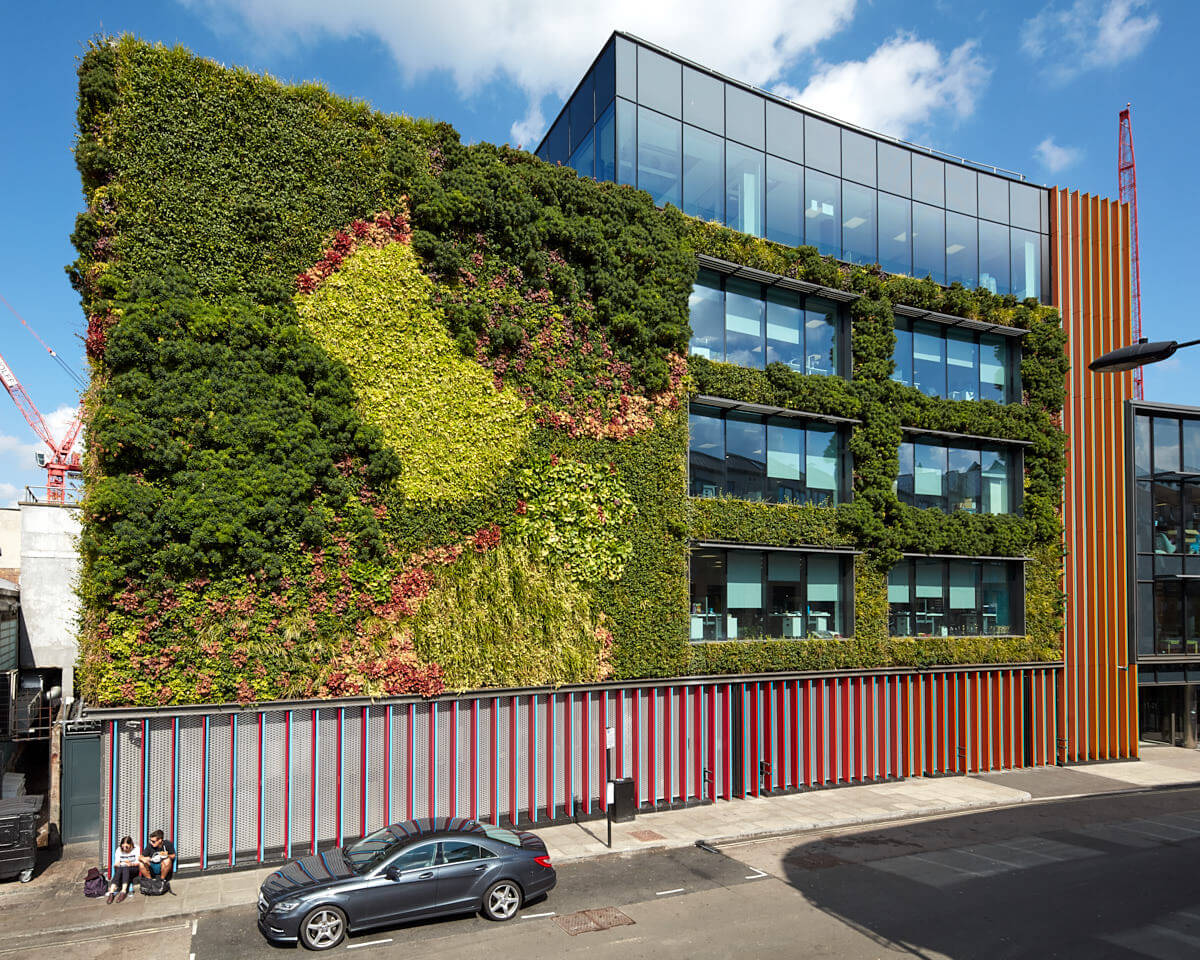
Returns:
<point x="93" y="883"/>
<point x="153" y="886"/>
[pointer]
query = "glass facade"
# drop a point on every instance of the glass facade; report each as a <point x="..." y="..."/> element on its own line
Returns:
<point x="738" y="321"/>
<point x="956" y="598"/>
<point x="942" y="361"/>
<point x="963" y="475"/>
<point x="1167" y="533"/>
<point x="739" y="594"/>
<point x="779" y="459"/>
<point x="722" y="152"/>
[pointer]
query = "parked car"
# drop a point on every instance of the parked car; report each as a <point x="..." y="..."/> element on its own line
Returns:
<point x="407" y="871"/>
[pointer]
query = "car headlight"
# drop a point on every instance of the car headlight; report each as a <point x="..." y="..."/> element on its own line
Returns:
<point x="283" y="906"/>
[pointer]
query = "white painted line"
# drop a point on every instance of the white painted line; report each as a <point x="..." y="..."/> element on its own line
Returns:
<point x="194" y="923"/>
<point x="373" y="943"/>
<point x="663" y="893"/>
<point x="534" y="916"/>
<point x="191" y="956"/>
<point x="755" y="876"/>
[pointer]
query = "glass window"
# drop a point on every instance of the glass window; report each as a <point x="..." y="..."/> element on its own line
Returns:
<point x="1141" y="445"/>
<point x="626" y="143"/>
<point x="1026" y="265"/>
<point x="785" y="200"/>
<point x="858" y="157"/>
<point x="954" y="598"/>
<point x="929" y="359"/>
<point x="744" y="116"/>
<point x="960" y="189"/>
<point x="659" y="82"/>
<point x="820" y="337"/>
<point x="744" y="308"/>
<point x="785" y="132"/>
<point x="456" y="851"/>
<point x="900" y="619"/>
<point x="904" y="476"/>
<point x="744" y="594"/>
<point x="706" y="452"/>
<point x="858" y="223"/>
<point x="708" y="595"/>
<point x="895" y="169"/>
<point x="993" y="257"/>
<point x="606" y="145"/>
<point x="605" y="79"/>
<point x="626" y="69"/>
<point x="744" y="193"/>
<point x="660" y="156"/>
<point x="582" y="111"/>
<point x="1168" y="616"/>
<point x="1191" y="620"/>
<point x="962" y="365"/>
<point x="583" y="160"/>
<point x="745" y="455"/>
<point x="963" y="480"/>
<point x="902" y="358"/>
<point x="1145" y="618"/>
<point x="785" y="329"/>
<point x="929" y="476"/>
<point x="1191" y="446"/>
<point x="993" y="367"/>
<point x="993" y="198"/>
<point x="821" y="473"/>
<point x="1144" y="507"/>
<point x="1002" y="613"/>
<point x="824" y="593"/>
<point x="554" y="147"/>
<point x="928" y="180"/>
<point x="415" y="858"/>
<point x="822" y="222"/>
<point x="929" y="242"/>
<point x="962" y="611"/>
<point x="1166" y="445"/>
<point x="703" y="100"/>
<point x="962" y="260"/>
<point x="1023" y="206"/>
<point x="785" y="594"/>
<point x="996" y="481"/>
<point x="785" y="461"/>
<point x="1168" y="532"/>
<point x="703" y="175"/>
<point x="822" y="146"/>
<point x="706" y="308"/>
<point x="1191" y="523"/>
<point x="929" y="616"/>
<point x="895" y="240"/>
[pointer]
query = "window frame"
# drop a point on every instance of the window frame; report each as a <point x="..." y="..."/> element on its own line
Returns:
<point x="911" y="563"/>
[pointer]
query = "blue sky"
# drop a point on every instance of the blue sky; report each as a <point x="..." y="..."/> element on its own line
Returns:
<point x="1027" y="85"/>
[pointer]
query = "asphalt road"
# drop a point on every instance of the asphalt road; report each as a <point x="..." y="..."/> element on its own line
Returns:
<point x="1101" y="877"/>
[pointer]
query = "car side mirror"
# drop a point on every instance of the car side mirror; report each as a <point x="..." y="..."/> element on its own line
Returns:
<point x="393" y="873"/>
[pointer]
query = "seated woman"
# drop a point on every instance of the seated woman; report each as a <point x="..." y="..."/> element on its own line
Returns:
<point x="124" y="869"/>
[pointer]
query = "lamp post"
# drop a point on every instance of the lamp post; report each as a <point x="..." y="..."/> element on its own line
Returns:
<point x="1137" y="355"/>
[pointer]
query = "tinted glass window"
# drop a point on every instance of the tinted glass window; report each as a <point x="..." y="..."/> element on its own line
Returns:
<point x="660" y="82"/>
<point x="904" y="476"/>
<point x="706" y="452"/>
<point x="858" y="158"/>
<point x="858" y="223"/>
<point x="456" y="851"/>
<point x="554" y="150"/>
<point x="1166" y="445"/>
<point x="626" y="142"/>
<point x="993" y="198"/>
<point x="706" y="306"/>
<point x="744" y="188"/>
<point x="822" y="146"/>
<point x="928" y="180"/>
<point x="993" y="257"/>
<point x="626" y="56"/>
<point x="929" y="242"/>
<point x="416" y="857"/>
<point x="745" y="456"/>
<point x="993" y="367"/>
<point x="820" y="337"/>
<point x="583" y="160"/>
<point x="900" y="621"/>
<point x="929" y="359"/>
<point x="744" y="593"/>
<point x="962" y="255"/>
<point x="962" y="366"/>
<point x="703" y="100"/>
<point x="703" y="174"/>
<point x="582" y="112"/>
<point x="1026" y="264"/>
<point x="708" y="595"/>
<point x="929" y="476"/>
<point x="785" y="132"/>
<point x="822" y="219"/>
<point x="785" y="200"/>
<point x="963" y="480"/>
<point x="821" y="473"/>
<point x="785" y="461"/>
<point x="1023" y="206"/>
<point x="929" y="591"/>
<point x="606" y="79"/>
<point x="606" y="145"/>
<point x="744" y="309"/>
<point x="960" y="189"/>
<point x="895" y="234"/>
<point x="1191" y="446"/>
<point x="903" y="356"/>
<point x="660" y="156"/>
<point x="785" y="329"/>
<point x="1141" y="445"/>
<point x="895" y="169"/>
<point x="744" y="116"/>
<point x="996" y="480"/>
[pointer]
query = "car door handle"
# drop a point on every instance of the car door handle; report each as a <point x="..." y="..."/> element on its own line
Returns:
<point x="481" y="868"/>
<point x="425" y="876"/>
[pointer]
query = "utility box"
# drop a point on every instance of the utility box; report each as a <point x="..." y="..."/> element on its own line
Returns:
<point x="624" y="804"/>
<point x="18" y="836"/>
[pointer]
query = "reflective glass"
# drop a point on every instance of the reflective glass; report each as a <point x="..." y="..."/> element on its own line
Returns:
<point x="1023" y="206"/>
<point x="993" y="198"/>
<point x="703" y="174"/>
<point x="902" y="358"/>
<point x="626" y="69"/>
<point x="822" y="146"/>
<point x="962" y="260"/>
<point x="1141" y="445"/>
<point x="1191" y="446"/>
<point x="993" y="257"/>
<point x="706" y="306"/>
<point x="858" y="158"/>
<point x="1001" y="610"/>
<point x="822" y="222"/>
<point x="660" y="82"/>
<point x="1191" y="617"/>
<point x="821" y="471"/>
<point x="583" y="160"/>
<point x="1145" y="618"/>
<point x="744" y="593"/>
<point x="582" y="112"/>
<point x="703" y="100"/>
<point x="660" y="156"/>
<point x="900" y="611"/>
<point x="858" y="223"/>
<point x="962" y="366"/>
<point x="785" y="594"/>
<point x="1026" y="265"/>
<point x="962" y="611"/>
<point x="895" y="169"/>
<point x="707" y="571"/>
<point x="1166" y="445"/>
<point x="1168" y="616"/>
<point x="1168" y="528"/>
<point x="785" y="329"/>
<point x="929" y="616"/>
<point x="1191" y="522"/>
<point x="993" y="367"/>
<point x="960" y="189"/>
<point x="904" y="476"/>
<point x="744" y="116"/>
<point x="928" y="180"/>
<point x="785" y="132"/>
<point x="745" y="455"/>
<point x="929" y="242"/>
<point x="963" y="479"/>
<point x="895" y="235"/>
<point x="744" y="310"/>
<point x="820" y="337"/>
<point x="626" y="143"/>
<point x="706" y="452"/>
<point x="744" y="189"/>
<point x="929" y="359"/>
<point x="996" y="482"/>
<point x="606" y="78"/>
<point x="785" y="199"/>
<point x="785" y="461"/>
<point x="824" y="596"/>
<point x="929" y="476"/>
<point x="554" y="147"/>
<point x="606" y="145"/>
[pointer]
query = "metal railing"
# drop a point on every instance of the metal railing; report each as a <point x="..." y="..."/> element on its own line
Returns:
<point x="71" y="495"/>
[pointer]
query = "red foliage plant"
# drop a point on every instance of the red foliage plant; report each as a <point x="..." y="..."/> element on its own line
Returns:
<point x="376" y="231"/>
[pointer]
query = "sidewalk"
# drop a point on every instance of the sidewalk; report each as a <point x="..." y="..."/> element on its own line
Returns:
<point x="54" y="901"/>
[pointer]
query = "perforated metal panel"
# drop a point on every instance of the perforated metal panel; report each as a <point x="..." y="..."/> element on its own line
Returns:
<point x="159" y="768"/>
<point x="300" y="824"/>
<point x="421" y="733"/>
<point x="444" y="760"/>
<point x="328" y="775"/>
<point x="485" y="753"/>
<point x="246" y="787"/>
<point x="524" y="757"/>
<point x="401" y="769"/>
<point x="220" y="773"/>
<point x="352" y="764"/>
<point x="465" y="750"/>
<point x="275" y="786"/>
<point x="189" y="799"/>
<point x="506" y="762"/>
<point x="377" y="769"/>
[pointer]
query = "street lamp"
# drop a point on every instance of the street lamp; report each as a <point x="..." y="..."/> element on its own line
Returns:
<point x="1137" y="355"/>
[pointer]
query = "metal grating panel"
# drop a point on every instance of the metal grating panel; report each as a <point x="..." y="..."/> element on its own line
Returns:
<point x="578" y="712"/>
<point x="523" y="757"/>
<point x="219" y="780"/>
<point x="160" y="787"/>
<point x="190" y="760"/>
<point x="275" y="795"/>
<point x="352" y="769"/>
<point x="301" y="792"/>
<point x="504" y="760"/>
<point x="246" y="797"/>
<point x="401" y="769"/>
<point x="485" y="753"/>
<point x="377" y="771"/>
<point x="328" y="775"/>
<point x="129" y="779"/>
<point x="420" y="735"/>
<point x="444" y="760"/>
<point x="466" y="749"/>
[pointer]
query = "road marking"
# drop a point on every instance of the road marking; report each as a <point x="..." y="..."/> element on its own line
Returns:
<point x="111" y="936"/>
<point x="191" y="956"/>
<point x="664" y="893"/>
<point x="756" y="875"/>
<point x="373" y="943"/>
<point x="194" y="923"/>
<point x="534" y="916"/>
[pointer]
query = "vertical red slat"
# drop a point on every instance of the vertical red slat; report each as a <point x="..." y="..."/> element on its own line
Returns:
<point x="452" y="761"/>
<point x="820" y="730"/>
<point x="549" y="735"/>
<point x="666" y="751"/>
<point x="756" y="751"/>
<point x="514" y="813"/>
<point x="532" y="766"/>
<point x="684" y="696"/>
<point x="849" y="728"/>
<point x="287" y="783"/>
<point x="585" y="753"/>
<point x="363" y="770"/>
<point x="712" y="742"/>
<point x="866" y="761"/>
<point x="725" y="728"/>
<point x="258" y="826"/>
<point x="638" y="785"/>
<point x="232" y="784"/>
<point x="312" y="787"/>
<point x="474" y="760"/>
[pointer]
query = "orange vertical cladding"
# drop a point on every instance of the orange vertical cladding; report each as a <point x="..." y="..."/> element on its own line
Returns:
<point x="1090" y="264"/>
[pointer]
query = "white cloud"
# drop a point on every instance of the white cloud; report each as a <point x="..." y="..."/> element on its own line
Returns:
<point x="9" y="495"/>
<point x="1054" y="157"/>
<point x="899" y="87"/>
<point x="1087" y="35"/>
<point x="544" y="46"/>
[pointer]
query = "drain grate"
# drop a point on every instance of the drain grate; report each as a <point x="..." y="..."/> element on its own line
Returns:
<point x="577" y="923"/>
<point x="591" y="921"/>
<point x="646" y="835"/>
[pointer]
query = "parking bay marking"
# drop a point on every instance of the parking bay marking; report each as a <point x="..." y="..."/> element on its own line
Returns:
<point x="664" y="893"/>
<point x="534" y="916"/>
<point x="757" y="875"/>
<point x="372" y="943"/>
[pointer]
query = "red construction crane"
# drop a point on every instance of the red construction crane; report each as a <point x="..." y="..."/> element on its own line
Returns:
<point x="1127" y="183"/>
<point x="62" y="460"/>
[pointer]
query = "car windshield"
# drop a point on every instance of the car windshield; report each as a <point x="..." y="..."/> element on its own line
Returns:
<point x="373" y="849"/>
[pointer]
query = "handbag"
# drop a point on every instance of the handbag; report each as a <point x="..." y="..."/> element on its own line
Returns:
<point x="153" y="886"/>
<point x="93" y="883"/>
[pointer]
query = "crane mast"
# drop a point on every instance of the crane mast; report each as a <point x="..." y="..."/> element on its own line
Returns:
<point x="62" y="460"/>
<point x="1127" y="184"/>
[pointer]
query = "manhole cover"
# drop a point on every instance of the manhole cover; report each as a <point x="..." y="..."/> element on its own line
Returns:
<point x="577" y="923"/>
<point x="607" y="917"/>
<point x="646" y="835"/>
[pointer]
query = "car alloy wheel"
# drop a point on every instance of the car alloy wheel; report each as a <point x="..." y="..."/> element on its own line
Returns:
<point x="323" y="929"/>
<point x="502" y="901"/>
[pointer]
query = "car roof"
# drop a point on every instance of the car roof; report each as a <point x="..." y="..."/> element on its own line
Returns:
<point x="435" y="828"/>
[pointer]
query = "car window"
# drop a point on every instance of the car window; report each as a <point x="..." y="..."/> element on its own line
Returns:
<point x="416" y="857"/>
<point x="456" y="851"/>
<point x="499" y="833"/>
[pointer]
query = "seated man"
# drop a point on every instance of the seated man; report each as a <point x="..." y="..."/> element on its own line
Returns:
<point x="158" y="857"/>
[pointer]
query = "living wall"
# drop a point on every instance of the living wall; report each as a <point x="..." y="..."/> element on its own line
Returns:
<point x="376" y="412"/>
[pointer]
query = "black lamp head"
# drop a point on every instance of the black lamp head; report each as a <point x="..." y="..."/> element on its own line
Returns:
<point x="1133" y="356"/>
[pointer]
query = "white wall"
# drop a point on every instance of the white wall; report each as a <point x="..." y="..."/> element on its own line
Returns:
<point x="49" y="569"/>
<point x="10" y="537"/>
